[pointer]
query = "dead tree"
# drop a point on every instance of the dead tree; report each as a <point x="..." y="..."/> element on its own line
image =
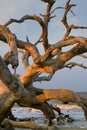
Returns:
<point x="19" y="88"/>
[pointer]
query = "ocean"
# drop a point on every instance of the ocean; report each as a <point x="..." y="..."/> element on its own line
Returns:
<point x="74" y="111"/>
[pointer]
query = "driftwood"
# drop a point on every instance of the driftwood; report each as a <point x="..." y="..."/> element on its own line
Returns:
<point x="30" y="124"/>
<point x="19" y="88"/>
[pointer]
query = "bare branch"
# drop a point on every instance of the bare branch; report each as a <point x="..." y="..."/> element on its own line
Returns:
<point x="72" y="64"/>
<point x="48" y="10"/>
<point x="47" y="54"/>
<point x="27" y="39"/>
<point x="77" y="27"/>
<point x="26" y="17"/>
<point x="43" y="78"/>
<point x="71" y="40"/>
<point x="46" y="21"/>
<point x="11" y="40"/>
<point x="38" y="40"/>
<point x="29" y="47"/>
<point x="64" y="19"/>
<point x="69" y="28"/>
<point x="32" y="70"/>
<point x="63" y="57"/>
<point x="60" y="8"/>
<point x="56" y="9"/>
<point x="39" y="20"/>
<point x="48" y="1"/>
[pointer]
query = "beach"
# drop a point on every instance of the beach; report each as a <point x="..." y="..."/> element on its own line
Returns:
<point x="74" y="111"/>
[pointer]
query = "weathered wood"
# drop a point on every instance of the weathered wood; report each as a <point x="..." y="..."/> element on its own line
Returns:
<point x="19" y="88"/>
<point x="30" y="125"/>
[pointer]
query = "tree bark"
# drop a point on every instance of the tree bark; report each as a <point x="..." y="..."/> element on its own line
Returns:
<point x="19" y="88"/>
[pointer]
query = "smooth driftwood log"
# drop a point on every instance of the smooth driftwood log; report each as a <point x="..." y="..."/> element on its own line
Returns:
<point x="20" y="89"/>
<point x="63" y="95"/>
<point x="30" y="124"/>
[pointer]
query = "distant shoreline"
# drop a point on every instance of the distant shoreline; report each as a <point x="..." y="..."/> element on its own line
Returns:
<point x="82" y="94"/>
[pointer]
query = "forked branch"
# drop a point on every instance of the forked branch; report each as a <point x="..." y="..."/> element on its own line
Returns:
<point x="65" y="22"/>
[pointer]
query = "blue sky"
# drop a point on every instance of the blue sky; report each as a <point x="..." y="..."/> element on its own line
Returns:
<point x="75" y="79"/>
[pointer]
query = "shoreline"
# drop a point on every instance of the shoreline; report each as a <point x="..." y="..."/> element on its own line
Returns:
<point x="74" y="111"/>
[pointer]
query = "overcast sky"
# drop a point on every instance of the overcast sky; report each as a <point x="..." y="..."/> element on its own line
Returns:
<point x="75" y="79"/>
